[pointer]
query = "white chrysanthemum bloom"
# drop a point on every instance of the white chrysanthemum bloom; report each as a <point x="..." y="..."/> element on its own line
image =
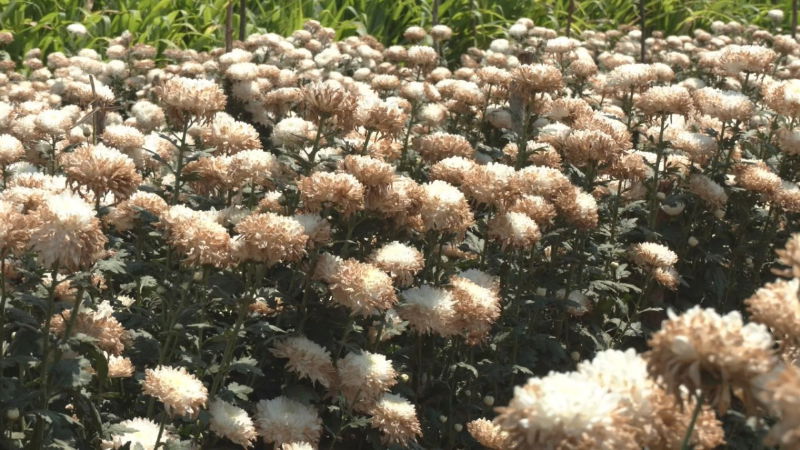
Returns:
<point x="10" y="149"/>
<point x="234" y="56"/>
<point x="481" y="278"/>
<point x="293" y="132"/>
<point x="242" y="71"/>
<point x="283" y="420"/>
<point x="429" y="309"/>
<point x="623" y="373"/>
<point x="401" y="261"/>
<point x="181" y="392"/>
<point x="791" y="91"/>
<point x="54" y="121"/>
<point x="514" y="229"/>
<point x="77" y="29"/>
<point x="518" y="31"/>
<point x="562" y="407"/>
<point x="139" y="431"/>
<point x="500" y="46"/>
<point x="231" y="422"/>
<point x="775" y="15"/>
<point x="364" y="377"/>
<point x="69" y="234"/>
<point x="561" y="44"/>
<point x="317" y="228"/>
<point x="444" y="207"/>
<point x="148" y="115"/>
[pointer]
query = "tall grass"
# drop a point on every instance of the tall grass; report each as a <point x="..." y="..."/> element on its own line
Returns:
<point x="199" y="23"/>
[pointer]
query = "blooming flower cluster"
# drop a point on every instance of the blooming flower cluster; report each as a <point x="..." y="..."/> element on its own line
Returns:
<point x="304" y="242"/>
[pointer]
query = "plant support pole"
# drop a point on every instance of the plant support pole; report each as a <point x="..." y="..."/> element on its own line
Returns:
<point x="642" y="27"/>
<point x="794" y="18"/>
<point x="242" y="18"/>
<point x="229" y="26"/>
<point x="570" y="13"/>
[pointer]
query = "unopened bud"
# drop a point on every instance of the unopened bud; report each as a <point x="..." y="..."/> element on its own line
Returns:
<point x="693" y="241"/>
<point x="488" y="400"/>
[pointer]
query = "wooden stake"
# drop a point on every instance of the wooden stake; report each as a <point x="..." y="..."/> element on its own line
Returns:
<point x="242" y="18"/>
<point x="229" y="26"/>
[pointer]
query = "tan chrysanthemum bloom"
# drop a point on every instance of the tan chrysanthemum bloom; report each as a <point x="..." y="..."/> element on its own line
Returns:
<point x="401" y="199"/>
<point x="578" y="207"/>
<point x="665" y="100"/>
<point x="515" y="230"/>
<point x="362" y="288"/>
<point x="543" y="181"/>
<point x="67" y="233"/>
<point x="181" y="392"/>
<point x="784" y="97"/>
<point x="283" y="421"/>
<point x="127" y="139"/>
<point x="429" y="309"/>
<point x="726" y="106"/>
<point x="124" y="215"/>
<point x="529" y="80"/>
<point x="777" y="306"/>
<point x="708" y="190"/>
<point x="779" y="391"/>
<point x="185" y="98"/>
<point x="210" y="173"/>
<point x="364" y="377"/>
<point x="270" y="238"/>
<point x="119" y="367"/>
<point x="453" y="170"/>
<point x="341" y="191"/>
<point x="758" y="178"/>
<point x="197" y="236"/>
<point x="396" y="418"/>
<point x="566" y="410"/>
<point x="716" y="354"/>
<point x="102" y="169"/>
<point x="401" y="261"/>
<point x="329" y="100"/>
<point x="99" y="325"/>
<point x="307" y="359"/>
<point x="477" y="308"/>
<point x="444" y="208"/>
<point x="734" y="59"/>
<point x="231" y="422"/>
<point x="790" y="256"/>
<point x="489" y="434"/>
<point x="651" y="255"/>
<point x="14" y="228"/>
<point x="229" y="136"/>
<point x="438" y="146"/>
<point x="369" y="171"/>
<point x="491" y="184"/>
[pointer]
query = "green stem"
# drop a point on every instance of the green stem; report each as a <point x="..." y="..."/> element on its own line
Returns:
<point x="687" y="438"/>
<point x="44" y="377"/>
<point x="233" y="338"/>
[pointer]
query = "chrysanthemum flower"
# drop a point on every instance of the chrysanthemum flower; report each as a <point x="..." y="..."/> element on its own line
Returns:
<point x="185" y="97"/>
<point x="139" y="432"/>
<point x="283" y="421"/>
<point x="702" y="350"/>
<point x="102" y="169"/>
<point x="181" y="392"/>
<point x="100" y="325"/>
<point x="362" y="288"/>
<point x="364" y="377"/>
<point x="396" y="418"/>
<point x="306" y="358"/>
<point x="231" y="422"/>
<point x="444" y="208"/>
<point x="401" y="261"/>
<point x="270" y="238"/>
<point x="340" y="190"/>
<point x="67" y="234"/>
<point x="429" y="309"/>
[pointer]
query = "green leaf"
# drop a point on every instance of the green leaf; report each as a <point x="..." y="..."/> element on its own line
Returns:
<point x="71" y="373"/>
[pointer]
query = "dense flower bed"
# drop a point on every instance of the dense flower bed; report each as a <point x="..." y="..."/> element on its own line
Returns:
<point x="308" y="243"/>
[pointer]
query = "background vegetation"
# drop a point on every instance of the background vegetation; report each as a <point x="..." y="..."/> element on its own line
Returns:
<point x="199" y="24"/>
